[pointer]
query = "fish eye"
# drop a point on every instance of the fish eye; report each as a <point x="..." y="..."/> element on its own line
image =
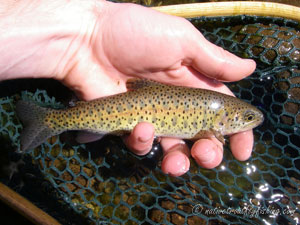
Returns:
<point x="249" y="116"/>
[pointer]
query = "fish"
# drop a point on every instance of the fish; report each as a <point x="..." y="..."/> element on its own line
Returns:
<point x="175" y="111"/>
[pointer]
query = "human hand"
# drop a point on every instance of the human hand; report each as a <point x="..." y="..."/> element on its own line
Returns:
<point x="120" y="41"/>
<point x="140" y="42"/>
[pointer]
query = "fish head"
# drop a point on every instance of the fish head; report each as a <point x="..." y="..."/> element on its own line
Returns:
<point x="240" y="119"/>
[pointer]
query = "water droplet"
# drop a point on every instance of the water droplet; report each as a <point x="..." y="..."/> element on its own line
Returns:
<point x="276" y="197"/>
<point x="264" y="187"/>
<point x="266" y="222"/>
<point x="259" y="196"/>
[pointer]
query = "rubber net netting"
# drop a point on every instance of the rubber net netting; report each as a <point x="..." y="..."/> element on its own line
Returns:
<point x="103" y="183"/>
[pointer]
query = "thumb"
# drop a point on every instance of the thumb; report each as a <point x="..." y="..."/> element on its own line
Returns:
<point x="219" y="64"/>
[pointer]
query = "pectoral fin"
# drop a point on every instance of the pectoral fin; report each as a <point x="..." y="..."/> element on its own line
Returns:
<point x="209" y="134"/>
<point x="219" y="136"/>
<point x="89" y="136"/>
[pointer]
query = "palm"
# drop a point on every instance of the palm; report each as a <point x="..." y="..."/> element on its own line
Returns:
<point x="149" y="45"/>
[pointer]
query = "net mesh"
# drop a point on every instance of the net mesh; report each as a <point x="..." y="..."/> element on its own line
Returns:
<point x="103" y="183"/>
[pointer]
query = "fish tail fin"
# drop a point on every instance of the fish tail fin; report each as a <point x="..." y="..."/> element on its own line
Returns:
<point x="35" y="130"/>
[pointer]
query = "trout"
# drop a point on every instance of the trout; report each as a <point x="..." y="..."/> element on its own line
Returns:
<point x="175" y="111"/>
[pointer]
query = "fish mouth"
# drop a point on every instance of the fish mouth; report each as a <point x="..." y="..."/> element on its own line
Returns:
<point x="260" y="119"/>
<point x="255" y="123"/>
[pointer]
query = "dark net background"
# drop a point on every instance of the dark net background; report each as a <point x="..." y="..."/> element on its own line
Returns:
<point x="103" y="183"/>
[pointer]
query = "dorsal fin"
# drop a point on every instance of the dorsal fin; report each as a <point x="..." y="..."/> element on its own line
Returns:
<point x="137" y="83"/>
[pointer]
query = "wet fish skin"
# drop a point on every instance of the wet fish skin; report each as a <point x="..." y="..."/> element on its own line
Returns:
<point x="182" y="112"/>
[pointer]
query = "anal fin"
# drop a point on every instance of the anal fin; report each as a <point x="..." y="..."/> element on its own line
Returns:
<point x="88" y="136"/>
<point x="119" y="132"/>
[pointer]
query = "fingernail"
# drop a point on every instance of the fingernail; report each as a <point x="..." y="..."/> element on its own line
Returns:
<point x="144" y="139"/>
<point x="178" y="164"/>
<point x="208" y="156"/>
<point x="250" y="61"/>
<point x="185" y="166"/>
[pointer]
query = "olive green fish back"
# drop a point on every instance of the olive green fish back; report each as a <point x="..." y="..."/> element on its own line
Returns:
<point x="103" y="183"/>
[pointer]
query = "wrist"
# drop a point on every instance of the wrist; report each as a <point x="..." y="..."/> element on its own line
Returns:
<point x="42" y="37"/>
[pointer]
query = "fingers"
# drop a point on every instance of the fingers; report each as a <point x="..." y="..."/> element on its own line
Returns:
<point x="176" y="153"/>
<point x="208" y="153"/>
<point x="176" y="157"/>
<point x="219" y="64"/>
<point x="241" y="145"/>
<point x="141" y="138"/>
<point x="188" y="76"/>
